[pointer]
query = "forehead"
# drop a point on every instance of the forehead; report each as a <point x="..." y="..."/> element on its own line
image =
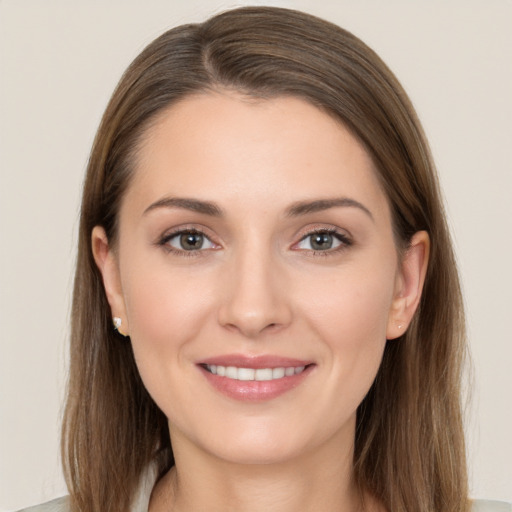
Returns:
<point x="225" y="146"/>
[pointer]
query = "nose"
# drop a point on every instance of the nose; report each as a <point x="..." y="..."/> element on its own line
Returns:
<point x="254" y="295"/>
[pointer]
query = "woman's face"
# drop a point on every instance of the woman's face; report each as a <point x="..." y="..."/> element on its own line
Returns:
<point x="257" y="275"/>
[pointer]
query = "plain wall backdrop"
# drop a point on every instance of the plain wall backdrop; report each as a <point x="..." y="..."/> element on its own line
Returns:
<point x="59" y="63"/>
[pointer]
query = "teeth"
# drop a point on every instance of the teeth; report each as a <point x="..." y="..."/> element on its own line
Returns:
<point x="246" y="374"/>
<point x="263" y="374"/>
<point x="278" y="373"/>
<point x="233" y="372"/>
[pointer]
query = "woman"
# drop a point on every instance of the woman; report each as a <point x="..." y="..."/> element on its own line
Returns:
<point x="267" y="313"/>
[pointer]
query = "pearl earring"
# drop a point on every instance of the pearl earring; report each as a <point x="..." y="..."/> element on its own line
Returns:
<point x="117" y="325"/>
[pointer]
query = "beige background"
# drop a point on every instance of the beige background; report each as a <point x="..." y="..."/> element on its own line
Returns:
<point x="59" y="62"/>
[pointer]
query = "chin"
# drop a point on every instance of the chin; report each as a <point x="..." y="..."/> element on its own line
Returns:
<point x="258" y="454"/>
<point x="265" y="443"/>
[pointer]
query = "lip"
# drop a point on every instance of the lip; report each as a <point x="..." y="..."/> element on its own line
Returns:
<point x="255" y="391"/>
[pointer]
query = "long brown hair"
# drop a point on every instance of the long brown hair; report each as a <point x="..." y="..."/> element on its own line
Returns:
<point x="409" y="447"/>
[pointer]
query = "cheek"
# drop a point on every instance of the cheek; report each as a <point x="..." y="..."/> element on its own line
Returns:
<point x="163" y="302"/>
<point x="165" y="311"/>
<point x="350" y="316"/>
<point x="351" y="307"/>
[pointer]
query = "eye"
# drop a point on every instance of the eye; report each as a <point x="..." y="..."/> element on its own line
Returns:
<point x="323" y="240"/>
<point x="189" y="240"/>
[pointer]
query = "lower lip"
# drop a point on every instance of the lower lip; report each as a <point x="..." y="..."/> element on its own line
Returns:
<point x="255" y="390"/>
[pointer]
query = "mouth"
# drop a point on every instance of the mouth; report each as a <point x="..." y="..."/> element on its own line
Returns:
<point x="256" y="374"/>
<point x="255" y="379"/>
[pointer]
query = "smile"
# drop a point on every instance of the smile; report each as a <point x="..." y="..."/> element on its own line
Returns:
<point x="258" y="374"/>
<point x="255" y="379"/>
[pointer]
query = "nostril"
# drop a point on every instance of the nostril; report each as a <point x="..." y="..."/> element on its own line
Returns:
<point x="254" y="314"/>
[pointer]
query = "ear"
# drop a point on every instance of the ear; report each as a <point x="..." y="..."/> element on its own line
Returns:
<point x="408" y="285"/>
<point x="108" y="266"/>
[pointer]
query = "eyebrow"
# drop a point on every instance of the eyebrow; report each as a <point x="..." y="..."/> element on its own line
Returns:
<point x="195" y="205"/>
<point x="295" y="210"/>
<point x="307" y="207"/>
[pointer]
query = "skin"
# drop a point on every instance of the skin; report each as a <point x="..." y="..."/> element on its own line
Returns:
<point x="256" y="287"/>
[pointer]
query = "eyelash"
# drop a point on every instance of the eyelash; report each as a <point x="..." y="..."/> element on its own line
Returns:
<point x="165" y="239"/>
<point x="345" y="242"/>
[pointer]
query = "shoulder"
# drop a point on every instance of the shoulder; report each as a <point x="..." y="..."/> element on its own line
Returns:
<point x="491" y="506"/>
<point x="62" y="505"/>
<point x="58" y="505"/>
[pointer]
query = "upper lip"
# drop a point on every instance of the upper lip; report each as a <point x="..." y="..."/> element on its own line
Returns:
<point x="256" y="362"/>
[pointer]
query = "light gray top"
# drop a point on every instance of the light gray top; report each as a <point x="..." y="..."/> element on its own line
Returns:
<point x="491" y="506"/>
<point x="58" y="505"/>
<point x="61" y="505"/>
<point x="140" y="503"/>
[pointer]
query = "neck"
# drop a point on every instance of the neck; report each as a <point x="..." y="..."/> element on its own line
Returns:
<point x="320" y="480"/>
